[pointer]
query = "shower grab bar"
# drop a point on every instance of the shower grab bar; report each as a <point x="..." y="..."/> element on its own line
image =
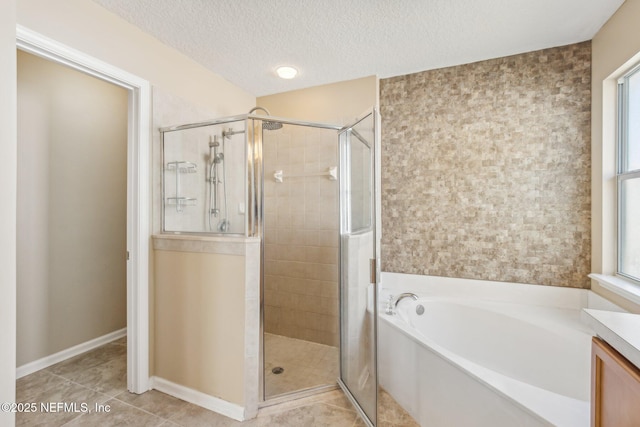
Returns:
<point x="331" y="172"/>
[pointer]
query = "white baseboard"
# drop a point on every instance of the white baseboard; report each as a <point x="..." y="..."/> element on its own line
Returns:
<point x="45" y="362"/>
<point x="196" y="397"/>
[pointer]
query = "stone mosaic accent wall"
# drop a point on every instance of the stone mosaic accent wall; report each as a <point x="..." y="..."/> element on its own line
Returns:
<point x="486" y="169"/>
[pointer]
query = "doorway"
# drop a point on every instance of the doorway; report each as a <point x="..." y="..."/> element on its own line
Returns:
<point x="72" y="157"/>
<point x="137" y="194"/>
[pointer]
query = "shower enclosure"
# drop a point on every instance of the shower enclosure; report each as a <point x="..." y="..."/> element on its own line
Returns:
<point x="307" y="190"/>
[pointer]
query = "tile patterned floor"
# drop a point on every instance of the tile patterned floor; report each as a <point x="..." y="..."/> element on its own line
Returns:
<point x="98" y="377"/>
<point x="306" y="364"/>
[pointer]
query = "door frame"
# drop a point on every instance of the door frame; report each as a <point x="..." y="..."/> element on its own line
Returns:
<point x="138" y="189"/>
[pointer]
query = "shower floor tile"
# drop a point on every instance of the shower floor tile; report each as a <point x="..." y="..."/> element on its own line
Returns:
<point x="305" y="364"/>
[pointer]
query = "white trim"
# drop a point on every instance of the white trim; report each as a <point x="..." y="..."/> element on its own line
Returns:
<point x="618" y="285"/>
<point x="252" y="329"/>
<point x="598" y="302"/>
<point x="45" y="362"/>
<point x="138" y="190"/>
<point x="196" y="397"/>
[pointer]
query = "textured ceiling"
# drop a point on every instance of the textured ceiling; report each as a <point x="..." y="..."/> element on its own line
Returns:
<point x="334" y="40"/>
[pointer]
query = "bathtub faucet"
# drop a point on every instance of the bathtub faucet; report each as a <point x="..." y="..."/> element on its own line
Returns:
<point x="392" y="304"/>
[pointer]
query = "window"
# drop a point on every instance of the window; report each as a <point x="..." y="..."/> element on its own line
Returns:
<point x="628" y="175"/>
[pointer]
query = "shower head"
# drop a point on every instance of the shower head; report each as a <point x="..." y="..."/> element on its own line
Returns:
<point x="271" y="125"/>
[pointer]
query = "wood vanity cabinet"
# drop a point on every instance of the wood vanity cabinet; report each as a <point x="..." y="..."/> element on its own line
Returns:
<point x="615" y="388"/>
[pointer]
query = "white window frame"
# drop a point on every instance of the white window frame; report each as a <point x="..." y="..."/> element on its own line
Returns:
<point x="622" y="174"/>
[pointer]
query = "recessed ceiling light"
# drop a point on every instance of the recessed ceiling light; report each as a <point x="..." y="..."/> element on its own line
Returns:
<point x="286" y="72"/>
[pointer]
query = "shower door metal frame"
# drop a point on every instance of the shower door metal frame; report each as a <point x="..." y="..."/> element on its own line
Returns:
<point x="253" y="153"/>
<point x="256" y="200"/>
<point x="374" y="228"/>
<point x="247" y="154"/>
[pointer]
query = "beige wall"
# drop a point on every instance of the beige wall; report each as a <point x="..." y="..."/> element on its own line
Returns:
<point x="200" y="316"/>
<point x="338" y="103"/>
<point x="72" y="189"/>
<point x="615" y="48"/>
<point x="486" y="169"/>
<point x="8" y="174"/>
<point x="86" y="26"/>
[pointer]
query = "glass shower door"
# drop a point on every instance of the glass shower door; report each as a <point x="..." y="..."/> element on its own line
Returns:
<point x="358" y="270"/>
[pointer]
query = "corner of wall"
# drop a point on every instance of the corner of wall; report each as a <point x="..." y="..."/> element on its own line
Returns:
<point x="615" y="48"/>
<point x="152" y="313"/>
<point x="339" y="102"/>
<point x="89" y="27"/>
<point x="8" y="177"/>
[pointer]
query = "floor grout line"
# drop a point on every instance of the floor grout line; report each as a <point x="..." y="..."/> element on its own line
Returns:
<point x="77" y="384"/>
<point x="138" y="408"/>
<point x="72" y="420"/>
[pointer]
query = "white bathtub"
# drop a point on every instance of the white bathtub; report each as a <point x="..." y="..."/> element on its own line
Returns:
<point x="487" y="353"/>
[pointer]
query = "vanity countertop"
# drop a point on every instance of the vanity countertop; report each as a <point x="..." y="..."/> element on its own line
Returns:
<point x="620" y="330"/>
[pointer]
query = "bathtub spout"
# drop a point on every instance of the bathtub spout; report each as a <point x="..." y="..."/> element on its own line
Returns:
<point x="393" y="302"/>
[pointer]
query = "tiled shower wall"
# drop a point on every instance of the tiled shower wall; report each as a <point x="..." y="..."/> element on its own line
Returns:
<point x="301" y="235"/>
<point x="486" y="169"/>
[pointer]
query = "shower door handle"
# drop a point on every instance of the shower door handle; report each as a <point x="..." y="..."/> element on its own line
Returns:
<point x="373" y="271"/>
